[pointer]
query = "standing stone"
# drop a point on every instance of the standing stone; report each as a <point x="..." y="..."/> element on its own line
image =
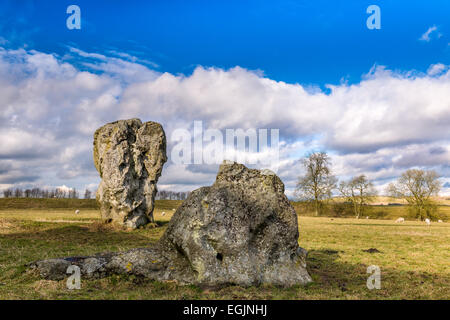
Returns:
<point x="129" y="156"/>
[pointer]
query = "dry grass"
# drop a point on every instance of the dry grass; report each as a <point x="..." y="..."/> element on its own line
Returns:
<point x="414" y="258"/>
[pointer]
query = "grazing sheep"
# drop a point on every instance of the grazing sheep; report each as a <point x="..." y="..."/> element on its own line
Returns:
<point x="440" y="221"/>
<point x="367" y="217"/>
<point x="427" y="221"/>
<point x="400" y="220"/>
<point x="163" y="213"/>
<point x="77" y="211"/>
<point x="173" y="209"/>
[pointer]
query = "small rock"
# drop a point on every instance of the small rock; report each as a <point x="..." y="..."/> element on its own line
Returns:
<point x="372" y="250"/>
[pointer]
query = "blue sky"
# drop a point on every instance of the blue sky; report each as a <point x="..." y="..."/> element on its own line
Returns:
<point x="307" y="42"/>
<point x="377" y="100"/>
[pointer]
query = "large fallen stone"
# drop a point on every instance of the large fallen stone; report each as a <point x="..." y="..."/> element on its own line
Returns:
<point x="129" y="156"/>
<point x="242" y="230"/>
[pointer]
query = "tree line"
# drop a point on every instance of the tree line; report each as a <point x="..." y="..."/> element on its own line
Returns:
<point x="74" y="194"/>
<point x="46" y="193"/>
<point x="171" y="195"/>
<point x="317" y="185"/>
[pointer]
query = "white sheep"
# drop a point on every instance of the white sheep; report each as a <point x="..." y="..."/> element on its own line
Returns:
<point x="427" y="221"/>
<point x="77" y="211"/>
<point x="367" y="217"/>
<point x="440" y="221"/>
<point x="163" y="213"/>
<point x="400" y="220"/>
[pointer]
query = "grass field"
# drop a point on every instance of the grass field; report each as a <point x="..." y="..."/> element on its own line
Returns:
<point x="414" y="258"/>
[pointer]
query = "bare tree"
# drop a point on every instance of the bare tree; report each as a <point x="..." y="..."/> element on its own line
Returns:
<point x="317" y="184"/>
<point x="171" y="195"/>
<point x="18" y="193"/>
<point x="60" y="193"/>
<point x="7" y="193"/>
<point x="359" y="191"/>
<point x="35" y="193"/>
<point x="87" y="194"/>
<point x="418" y="187"/>
<point x="73" y="194"/>
<point x="45" y="193"/>
<point x="27" y="193"/>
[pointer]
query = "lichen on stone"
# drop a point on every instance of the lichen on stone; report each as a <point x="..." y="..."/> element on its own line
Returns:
<point x="121" y="150"/>
<point x="247" y="235"/>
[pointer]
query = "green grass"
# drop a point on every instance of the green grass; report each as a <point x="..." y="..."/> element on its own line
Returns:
<point x="414" y="259"/>
<point x="32" y="203"/>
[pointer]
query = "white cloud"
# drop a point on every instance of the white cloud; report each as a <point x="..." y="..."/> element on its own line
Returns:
<point x="436" y="69"/>
<point x="384" y="109"/>
<point x="384" y="124"/>
<point x="126" y="68"/>
<point x="427" y="35"/>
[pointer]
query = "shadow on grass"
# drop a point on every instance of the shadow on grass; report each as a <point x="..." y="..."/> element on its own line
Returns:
<point x="326" y="270"/>
<point x="80" y="235"/>
<point x="161" y="223"/>
<point x="333" y="277"/>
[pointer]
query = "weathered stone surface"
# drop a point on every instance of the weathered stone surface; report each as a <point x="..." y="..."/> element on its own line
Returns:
<point x="145" y="262"/>
<point x="242" y="230"/>
<point x="52" y="269"/>
<point x="129" y="156"/>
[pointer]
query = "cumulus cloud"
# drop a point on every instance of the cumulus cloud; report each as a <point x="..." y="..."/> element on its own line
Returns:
<point x="436" y="69"/>
<point x="51" y="106"/>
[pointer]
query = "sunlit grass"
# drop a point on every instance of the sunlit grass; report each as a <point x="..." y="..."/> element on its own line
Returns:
<point x="414" y="258"/>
